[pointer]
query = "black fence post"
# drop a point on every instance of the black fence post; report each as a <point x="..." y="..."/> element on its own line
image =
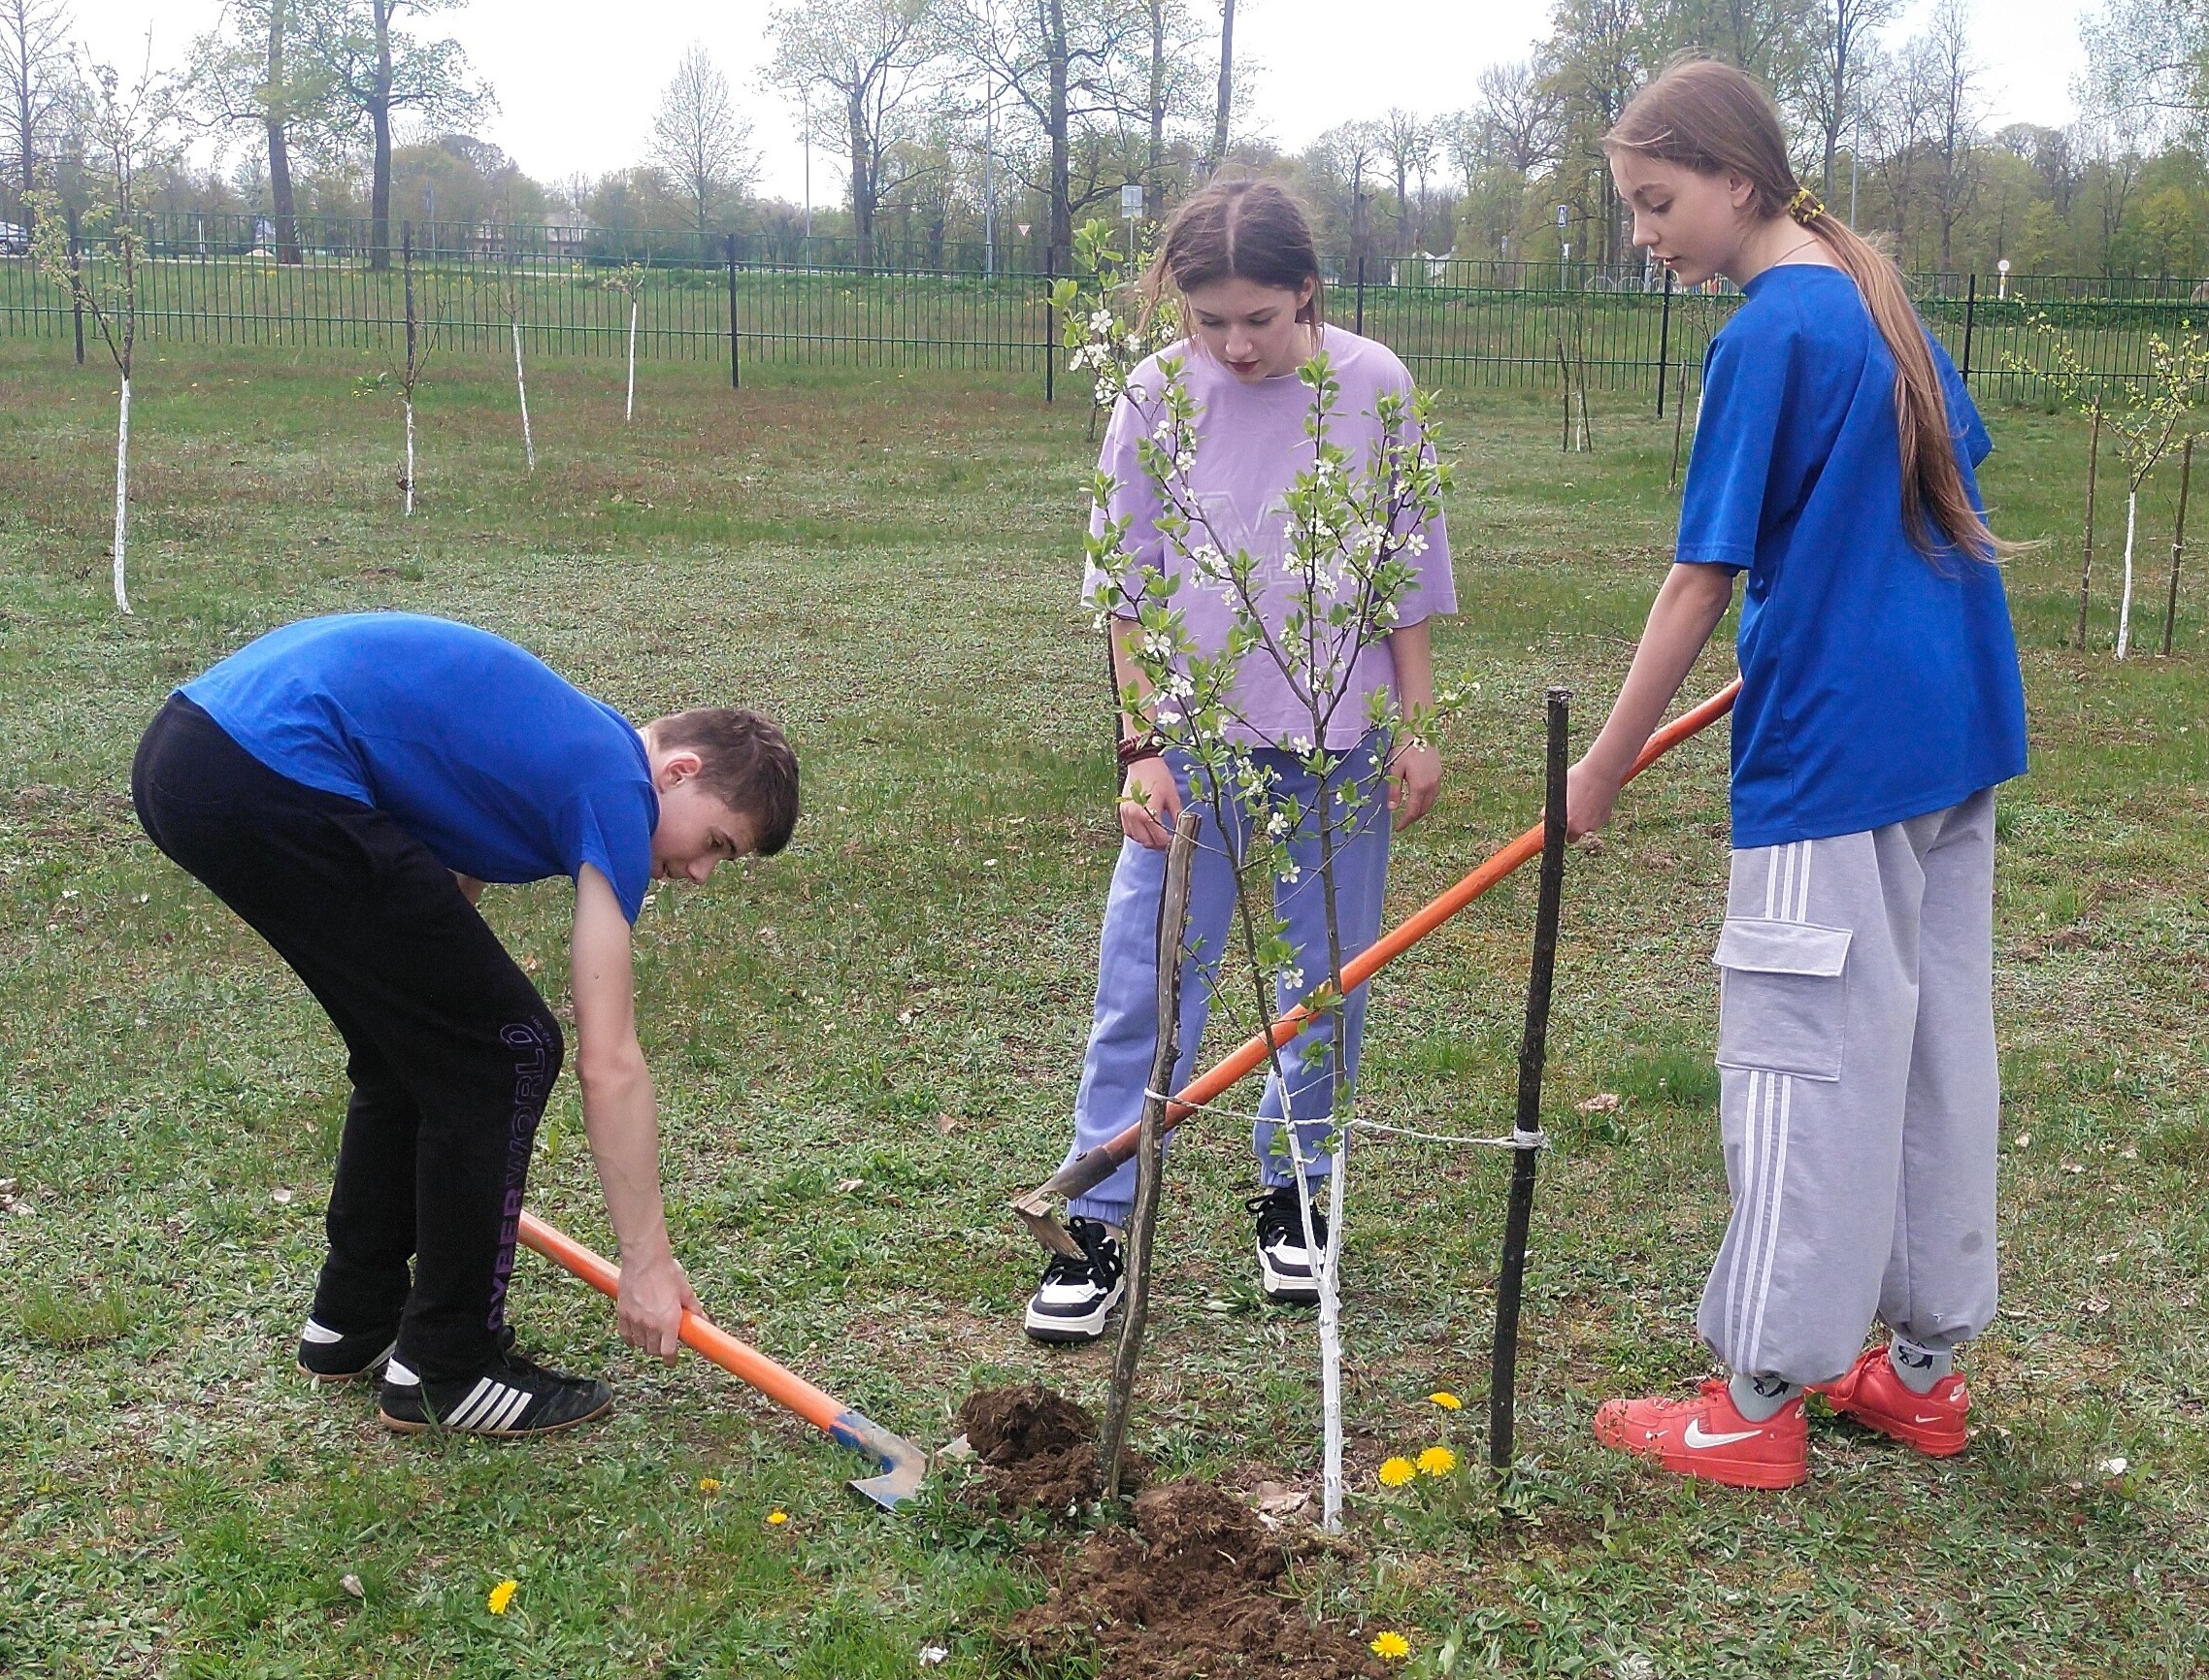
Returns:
<point x="1360" y="329"/>
<point x="1970" y="311"/>
<point x="736" y="380"/>
<point x="1050" y="326"/>
<point x="1664" y="342"/>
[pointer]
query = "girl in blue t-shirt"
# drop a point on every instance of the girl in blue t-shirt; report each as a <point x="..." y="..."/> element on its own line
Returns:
<point x="1880" y="705"/>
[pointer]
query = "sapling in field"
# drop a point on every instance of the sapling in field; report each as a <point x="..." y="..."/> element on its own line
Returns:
<point x="420" y="340"/>
<point x="2146" y="414"/>
<point x="511" y="302"/>
<point x="125" y="128"/>
<point x="629" y="280"/>
<point x="1339" y="563"/>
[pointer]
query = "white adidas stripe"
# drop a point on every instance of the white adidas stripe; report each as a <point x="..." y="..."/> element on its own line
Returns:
<point x="477" y="1399"/>
<point x="508" y="1413"/>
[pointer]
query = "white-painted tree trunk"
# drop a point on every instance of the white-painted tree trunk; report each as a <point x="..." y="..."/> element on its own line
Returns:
<point x="410" y="458"/>
<point x="522" y="392"/>
<point x="1325" y="1274"/>
<point x="2125" y="605"/>
<point x="122" y="496"/>
<point x="630" y="413"/>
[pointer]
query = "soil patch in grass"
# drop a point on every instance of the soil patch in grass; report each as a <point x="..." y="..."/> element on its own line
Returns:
<point x="1196" y="1589"/>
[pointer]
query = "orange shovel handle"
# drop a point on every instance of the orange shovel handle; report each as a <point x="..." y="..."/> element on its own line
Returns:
<point x="1097" y="1165"/>
<point x="785" y="1387"/>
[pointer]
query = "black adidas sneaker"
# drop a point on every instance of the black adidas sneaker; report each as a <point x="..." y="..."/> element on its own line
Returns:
<point x="509" y="1397"/>
<point x="1285" y="1271"/>
<point x="333" y="1355"/>
<point x="1076" y="1295"/>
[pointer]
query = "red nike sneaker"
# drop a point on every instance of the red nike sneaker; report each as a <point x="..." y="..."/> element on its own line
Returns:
<point x="1708" y="1437"/>
<point x="1876" y="1397"/>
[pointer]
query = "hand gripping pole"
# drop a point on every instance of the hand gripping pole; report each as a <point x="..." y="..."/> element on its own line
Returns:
<point x="903" y="1464"/>
<point x="1093" y="1166"/>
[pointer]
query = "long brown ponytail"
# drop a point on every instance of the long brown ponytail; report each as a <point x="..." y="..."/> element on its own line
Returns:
<point x="1709" y="117"/>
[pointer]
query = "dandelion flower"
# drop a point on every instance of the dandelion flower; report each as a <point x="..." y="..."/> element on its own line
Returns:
<point x="1437" y="1462"/>
<point x="709" y="1484"/>
<point x="777" y="1518"/>
<point x="1394" y="1472"/>
<point x="1447" y="1400"/>
<point x="502" y="1595"/>
<point x="1394" y="1647"/>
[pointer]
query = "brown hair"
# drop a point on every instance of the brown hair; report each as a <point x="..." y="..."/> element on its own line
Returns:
<point x="1707" y="117"/>
<point x="745" y="762"/>
<point x="1237" y="230"/>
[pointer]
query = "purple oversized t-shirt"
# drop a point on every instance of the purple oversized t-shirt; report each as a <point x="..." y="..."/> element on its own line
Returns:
<point x="1251" y="445"/>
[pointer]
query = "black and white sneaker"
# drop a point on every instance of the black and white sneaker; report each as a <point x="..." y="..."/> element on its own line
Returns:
<point x="333" y="1355"/>
<point x="1076" y="1295"/>
<point x="1285" y="1271"/>
<point x="512" y="1397"/>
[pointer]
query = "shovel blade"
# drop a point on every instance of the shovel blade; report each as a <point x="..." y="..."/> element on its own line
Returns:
<point x="903" y="1465"/>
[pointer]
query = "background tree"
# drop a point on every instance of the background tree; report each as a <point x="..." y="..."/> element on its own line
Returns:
<point x="245" y="72"/>
<point x="1223" y="108"/>
<point x="1407" y="142"/>
<point x="864" y="72"/>
<point x="39" y="86"/>
<point x="698" y="140"/>
<point x="2149" y="60"/>
<point x="1834" y="93"/>
<point x="376" y="72"/>
<point x="1944" y="78"/>
<point x="1078" y="69"/>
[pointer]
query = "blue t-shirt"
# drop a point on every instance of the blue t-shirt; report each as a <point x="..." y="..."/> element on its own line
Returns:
<point x="504" y="770"/>
<point x="1878" y="683"/>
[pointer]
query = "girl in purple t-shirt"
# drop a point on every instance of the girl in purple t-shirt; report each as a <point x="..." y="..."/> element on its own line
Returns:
<point x="1241" y="258"/>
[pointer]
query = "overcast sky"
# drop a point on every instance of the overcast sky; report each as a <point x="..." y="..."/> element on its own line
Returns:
<point x="578" y="79"/>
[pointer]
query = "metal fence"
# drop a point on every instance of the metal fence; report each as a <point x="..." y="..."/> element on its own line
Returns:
<point x="219" y="281"/>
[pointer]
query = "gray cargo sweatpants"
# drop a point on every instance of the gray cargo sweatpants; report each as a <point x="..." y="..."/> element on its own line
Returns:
<point x="1860" y="1098"/>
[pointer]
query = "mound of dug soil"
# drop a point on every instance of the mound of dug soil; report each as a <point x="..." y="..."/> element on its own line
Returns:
<point x="1037" y="1449"/>
<point x="1191" y="1592"/>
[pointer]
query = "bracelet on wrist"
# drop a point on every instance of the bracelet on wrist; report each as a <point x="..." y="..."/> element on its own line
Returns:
<point x="1134" y="749"/>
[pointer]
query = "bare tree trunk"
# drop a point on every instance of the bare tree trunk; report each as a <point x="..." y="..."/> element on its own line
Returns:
<point x="521" y="394"/>
<point x="1062" y="195"/>
<point x="2125" y="602"/>
<point x="122" y="494"/>
<point x="2086" y="562"/>
<point x="1157" y="160"/>
<point x="629" y="412"/>
<point x="862" y="180"/>
<point x="1224" y="109"/>
<point x="279" y="146"/>
<point x="380" y="118"/>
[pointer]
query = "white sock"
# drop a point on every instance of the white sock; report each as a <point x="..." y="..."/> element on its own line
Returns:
<point x="1919" y="1366"/>
<point x="1759" y="1399"/>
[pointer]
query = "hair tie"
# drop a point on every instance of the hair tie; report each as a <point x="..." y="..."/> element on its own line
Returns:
<point x="1804" y="206"/>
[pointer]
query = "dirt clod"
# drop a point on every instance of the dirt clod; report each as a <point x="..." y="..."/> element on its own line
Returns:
<point x="1037" y="1449"/>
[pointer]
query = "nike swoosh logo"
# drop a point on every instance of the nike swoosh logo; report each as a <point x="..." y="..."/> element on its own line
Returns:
<point x="1696" y="1438"/>
<point x="1920" y="1418"/>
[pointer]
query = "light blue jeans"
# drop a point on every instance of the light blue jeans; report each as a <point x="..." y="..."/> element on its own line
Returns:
<point x="1123" y="1036"/>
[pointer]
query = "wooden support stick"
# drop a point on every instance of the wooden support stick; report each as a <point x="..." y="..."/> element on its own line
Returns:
<point x="2178" y="540"/>
<point x="2086" y="565"/>
<point x="1150" y="1151"/>
<point x="1534" y="1053"/>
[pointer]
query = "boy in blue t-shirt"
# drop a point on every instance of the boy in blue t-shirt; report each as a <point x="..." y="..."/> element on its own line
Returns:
<point x="348" y="785"/>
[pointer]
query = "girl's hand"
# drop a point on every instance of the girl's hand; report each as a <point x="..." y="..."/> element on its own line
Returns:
<point x="1414" y="778"/>
<point x="1589" y="795"/>
<point x="1150" y="802"/>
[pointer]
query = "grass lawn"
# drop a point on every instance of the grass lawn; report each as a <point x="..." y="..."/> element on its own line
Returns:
<point x="865" y="1046"/>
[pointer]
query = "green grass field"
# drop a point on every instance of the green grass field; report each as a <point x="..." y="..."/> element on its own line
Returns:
<point x="865" y="1046"/>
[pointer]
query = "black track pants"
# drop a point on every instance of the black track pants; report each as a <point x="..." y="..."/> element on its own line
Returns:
<point x="453" y="1054"/>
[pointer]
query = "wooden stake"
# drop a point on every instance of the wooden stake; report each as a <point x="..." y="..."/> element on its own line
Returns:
<point x="1565" y="370"/>
<point x="1150" y="1152"/>
<point x="1534" y="1053"/>
<point x="2178" y="540"/>
<point x="2086" y="565"/>
<point x="1679" y="426"/>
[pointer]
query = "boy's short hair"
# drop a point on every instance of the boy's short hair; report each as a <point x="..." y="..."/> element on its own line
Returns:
<point x="745" y="762"/>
